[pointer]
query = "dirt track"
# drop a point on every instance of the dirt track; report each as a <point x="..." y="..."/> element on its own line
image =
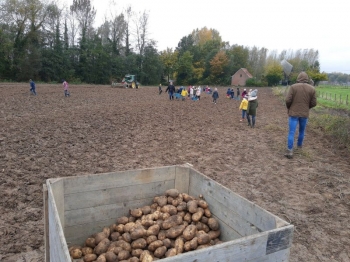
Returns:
<point x="101" y="129"/>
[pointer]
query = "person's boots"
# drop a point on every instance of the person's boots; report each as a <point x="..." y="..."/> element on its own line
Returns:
<point x="248" y="118"/>
<point x="289" y="153"/>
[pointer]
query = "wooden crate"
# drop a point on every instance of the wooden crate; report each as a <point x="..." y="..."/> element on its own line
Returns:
<point x="76" y="207"/>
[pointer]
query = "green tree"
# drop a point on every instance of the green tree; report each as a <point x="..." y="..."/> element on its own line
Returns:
<point x="274" y="74"/>
<point x="169" y="60"/>
<point x="152" y="66"/>
<point x="184" y="69"/>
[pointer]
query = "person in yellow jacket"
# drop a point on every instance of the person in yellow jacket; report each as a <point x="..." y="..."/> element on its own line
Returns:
<point x="184" y="94"/>
<point x="244" y="106"/>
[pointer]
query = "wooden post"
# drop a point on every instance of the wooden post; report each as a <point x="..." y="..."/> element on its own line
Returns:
<point x="46" y="224"/>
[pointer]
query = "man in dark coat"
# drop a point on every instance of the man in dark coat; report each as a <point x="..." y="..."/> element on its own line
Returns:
<point x="171" y="89"/>
<point x="301" y="97"/>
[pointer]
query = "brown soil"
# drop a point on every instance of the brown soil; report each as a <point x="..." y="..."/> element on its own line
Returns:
<point x="103" y="129"/>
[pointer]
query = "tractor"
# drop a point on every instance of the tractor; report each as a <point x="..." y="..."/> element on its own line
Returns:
<point x="129" y="81"/>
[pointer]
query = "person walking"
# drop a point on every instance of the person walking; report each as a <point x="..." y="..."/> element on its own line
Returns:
<point x="170" y="89"/>
<point x="244" y="93"/>
<point x="238" y="93"/>
<point x="198" y="93"/>
<point x="160" y="89"/>
<point x="215" y="95"/>
<point x="184" y="94"/>
<point x="32" y="87"/>
<point x="301" y="97"/>
<point x="252" y="106"/>
<point x="65" y="88"/>
<point x="243" y="106"/>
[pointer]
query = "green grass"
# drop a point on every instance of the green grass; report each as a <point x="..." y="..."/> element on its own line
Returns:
<point x="337" y="97"/>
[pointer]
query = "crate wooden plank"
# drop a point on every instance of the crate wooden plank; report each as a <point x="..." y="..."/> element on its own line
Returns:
<point x="182" y="179"/>
<point x="46" y="224"/>
<point x="57" y="187"/>
<point x="279" y="256"/>
<point x="108" y="196"/>
<point x="227" y="232"/>
<point x="58" y="246"/>
<point x="103" y="212"/>
<point x="254" y="214"/>
<point x="117" y="179"/>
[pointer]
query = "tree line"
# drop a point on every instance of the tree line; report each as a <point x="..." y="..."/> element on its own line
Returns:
<point x="47" y="42"/>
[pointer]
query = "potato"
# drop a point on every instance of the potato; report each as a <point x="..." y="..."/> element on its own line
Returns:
<point x="171" y="252"/>
<point x="90" y="257"/>
<point x="194" y="243"/>
<point x="182" y="206"/>
<point x="175" y="231"/>
<point x="213" y="223"/>
<point x="162" y="235"/>
<point x="133" y="259"/>
<point x="76" y="253"/>
<point x="101" y="258"/>
<point x="192" y="206"/>
<point x="190" y="232"/>
<point x="172" y="222"/>
<point x="207" y="212"/>
<point x="169" y="199"/>
<point x="99" y="237"/>
<point x="202" y="246"/>
<point x="187" y="197"/>
<point x="153" y="230"/>
<point x="160" y="252"/>
<point x="122" y="220"/>
<point x="114" y="249"/>
<point x="161" y="201"/>
<point x="198" y="215"/>
<point x="204" y="220"/>
<point x="188" y="217"/>
<point x="120" y="228"/>
<point x="129" y="226"/>
<point x="167" y="242"/>
<point x="187" y="246"/>
<point x="146" y="256"/>
<point x="172" y="192"/>
<point x="181" y="214"/>
<point x="202" y="203"/>
<point x="137" y="212"/>
<point x="127" y="237"/>
<point x="203" y="238"/>
<point x="151" y="238"/>
<point x="123" y="244"/>
<point x="138" y="232"/>
<point x="102" y="246"/>
<point x="147" y="222"/>
<point x="107" y="231"/>
<point x="154" y="245"/>
<point x="136" y="252"/>
<point x="87" y="250"/>
<point x="123" y="255"/>
<point x="115" y="236"/>
<point x="111" y="257"/>
<point x="140" y="243"/>
<point x="90" y="242"/>
<point x="146" y="210"/>
<point x="165" y="216"/>
<point x="179" y="245"/>
<point x="175" y="202"/>
<point x="172" y="210"/>
<point x="132" y="219"/>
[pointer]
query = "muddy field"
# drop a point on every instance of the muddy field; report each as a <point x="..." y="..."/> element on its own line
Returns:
<point x="100" y="129"/>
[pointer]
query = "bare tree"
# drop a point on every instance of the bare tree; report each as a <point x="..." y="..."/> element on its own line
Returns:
<point x="85" y="14"/>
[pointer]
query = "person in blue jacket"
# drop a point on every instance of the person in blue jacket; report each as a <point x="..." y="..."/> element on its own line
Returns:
<point x="32" y="87"/>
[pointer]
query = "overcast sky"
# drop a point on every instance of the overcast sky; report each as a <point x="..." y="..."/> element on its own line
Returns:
<point x="273" y="24"/>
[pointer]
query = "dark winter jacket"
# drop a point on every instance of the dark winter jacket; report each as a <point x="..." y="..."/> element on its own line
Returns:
<point x="252" y="106"/>
<point x="215" y="95"/>
<point x="170" y="89"/>
<point x="301" y="97"/>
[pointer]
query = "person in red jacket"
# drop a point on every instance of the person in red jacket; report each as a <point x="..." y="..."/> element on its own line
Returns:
<point x="301" y="97"/>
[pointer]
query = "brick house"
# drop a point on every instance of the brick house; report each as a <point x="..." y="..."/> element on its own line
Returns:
<point x="240" y="77"/>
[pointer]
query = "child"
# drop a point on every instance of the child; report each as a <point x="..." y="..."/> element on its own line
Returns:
<point x="232" y="93"/>
<point x="228" y="93"/>
<point x="160" y="89"/>
<point x="215" y="95"/>
<point x="32" y="87"/>
<point x="65" y="88"/>
<point x="243" y="106"/>
<point x="184" y="94"/>
<point x="238" y="92"/>
<point x="198" y="93"/>
<point x="252" y="106"/>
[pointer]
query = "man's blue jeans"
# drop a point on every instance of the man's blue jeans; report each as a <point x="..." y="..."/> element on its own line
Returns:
<point x="293" y="122"/>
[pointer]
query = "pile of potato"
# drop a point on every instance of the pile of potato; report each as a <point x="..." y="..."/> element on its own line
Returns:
<point x="175" y="223"/>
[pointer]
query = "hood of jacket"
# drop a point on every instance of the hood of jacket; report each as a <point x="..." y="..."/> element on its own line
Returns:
<point x="303" y="78"/>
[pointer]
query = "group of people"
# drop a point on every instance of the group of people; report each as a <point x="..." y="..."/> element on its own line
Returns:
<point x="64" y="84"/>
<point x="300" y="99"/>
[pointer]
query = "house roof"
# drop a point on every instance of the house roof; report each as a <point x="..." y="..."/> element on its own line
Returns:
<point x="245" y="71"/>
